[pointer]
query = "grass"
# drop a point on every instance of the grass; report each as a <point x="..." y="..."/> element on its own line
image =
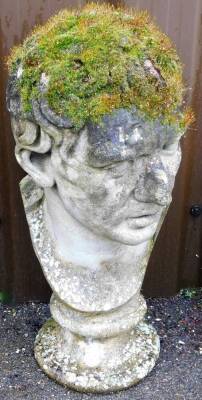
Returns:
<point x="95" y="61"/>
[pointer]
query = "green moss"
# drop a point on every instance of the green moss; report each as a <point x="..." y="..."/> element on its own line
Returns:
<point x="94" y="59"/>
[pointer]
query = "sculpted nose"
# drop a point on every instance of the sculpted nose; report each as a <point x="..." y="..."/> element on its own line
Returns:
<point x="153" y="185"/>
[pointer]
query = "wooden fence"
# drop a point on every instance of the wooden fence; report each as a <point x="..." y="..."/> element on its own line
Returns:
<point x="176" y="261"/>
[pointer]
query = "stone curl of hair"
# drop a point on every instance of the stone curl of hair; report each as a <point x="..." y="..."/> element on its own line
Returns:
<point x="41" y="127"/>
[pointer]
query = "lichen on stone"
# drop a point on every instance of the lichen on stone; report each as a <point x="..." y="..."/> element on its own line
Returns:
<point x="99" y="59"/>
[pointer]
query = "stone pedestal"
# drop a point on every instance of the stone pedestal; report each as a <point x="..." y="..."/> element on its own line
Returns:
<point x="97" y="353"/>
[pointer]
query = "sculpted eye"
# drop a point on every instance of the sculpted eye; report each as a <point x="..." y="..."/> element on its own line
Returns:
<point x="170" y="148"/>
<point x="117" y="169"/>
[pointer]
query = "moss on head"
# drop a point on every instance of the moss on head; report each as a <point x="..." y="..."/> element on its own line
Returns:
<point x="99" y="59"/>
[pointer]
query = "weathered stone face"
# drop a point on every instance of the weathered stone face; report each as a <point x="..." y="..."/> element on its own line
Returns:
<point x="119" y="176"/>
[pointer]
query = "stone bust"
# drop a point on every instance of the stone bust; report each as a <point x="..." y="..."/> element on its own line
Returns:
<point x="95" y="196"/>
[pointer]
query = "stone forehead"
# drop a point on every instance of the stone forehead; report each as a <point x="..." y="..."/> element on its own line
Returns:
<point x="124" y="134"/>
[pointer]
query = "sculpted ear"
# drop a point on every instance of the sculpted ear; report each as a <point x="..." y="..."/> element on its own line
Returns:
<point x="38" y="166"/>
<point x="33" y="151"/>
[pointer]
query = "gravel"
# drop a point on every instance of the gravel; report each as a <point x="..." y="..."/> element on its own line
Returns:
<point x="177" y="375"/>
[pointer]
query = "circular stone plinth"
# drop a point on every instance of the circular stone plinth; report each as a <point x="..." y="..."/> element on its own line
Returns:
<point x="98" y="366"/>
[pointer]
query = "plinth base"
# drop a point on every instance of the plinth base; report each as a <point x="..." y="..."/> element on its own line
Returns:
<point x="93" y="365"/>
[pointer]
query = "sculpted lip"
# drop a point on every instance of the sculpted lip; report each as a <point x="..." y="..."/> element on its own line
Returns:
<point x="141" y="221"/>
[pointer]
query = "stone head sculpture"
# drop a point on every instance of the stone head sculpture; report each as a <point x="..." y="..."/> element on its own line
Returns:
<point x="95" y="100"/>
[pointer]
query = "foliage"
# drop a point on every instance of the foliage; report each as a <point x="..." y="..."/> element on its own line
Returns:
<point x="4" y="298"/>
<point x="95" y="61"/>
<point x="191" y="293"/>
